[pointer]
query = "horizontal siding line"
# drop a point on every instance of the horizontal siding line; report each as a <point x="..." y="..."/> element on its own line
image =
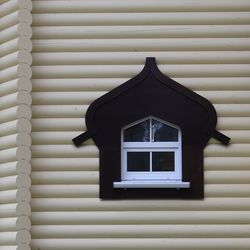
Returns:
<point x="142" y="244"/>
<point x="76" y="97"/>
<point x="226" y="97"/>
<point x="226" y="163"/>
<point x="227" y="177"/>
<point x="140" y="217"/>
<point x="230" y="151"/>
<point x="132" y="58"/>
<point x="233" y="123"/>
<point x="149" y="31"/>
<point x="145" y="6"/>
<point x="146" y="44"/>
<point x="69" y="177"/>
<point x="48" y="151"/>
<point x="62" y="164"/>
<point x="92" y="190"/>
<point x="65" y="191"/>
<point x="59" y="111"/>
<point x="97" y="84"/>
<point x="226" y="190"/>
<point x="236" y="110"/>
<point x="140" y="231"/>
<point x="65" y="97"/>
<point x="147" y="18"/>
<point x="58" y="124"/>
<point x="108" y="71"/>
<point x="94" y="204"/>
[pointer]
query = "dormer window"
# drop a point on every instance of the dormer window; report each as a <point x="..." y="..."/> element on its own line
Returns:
<point x="151" y="149"/>
<point x="151" y="155"/>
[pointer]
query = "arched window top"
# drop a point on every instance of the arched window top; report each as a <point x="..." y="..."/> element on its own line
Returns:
<point x="151" y="129"/>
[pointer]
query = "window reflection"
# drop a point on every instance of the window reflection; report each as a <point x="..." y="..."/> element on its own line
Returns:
<point x="138" y="161"/>
<point x="163" y="161"/>
<point x="163" y="132"/>
<point x="138" y="133"/>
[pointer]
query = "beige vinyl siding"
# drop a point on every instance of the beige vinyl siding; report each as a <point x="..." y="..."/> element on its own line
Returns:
<point x="15" y="124"/>
<point x="81" y="50"/>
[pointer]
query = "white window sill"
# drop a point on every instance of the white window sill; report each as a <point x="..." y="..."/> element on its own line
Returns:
<point x="151" y="184"/>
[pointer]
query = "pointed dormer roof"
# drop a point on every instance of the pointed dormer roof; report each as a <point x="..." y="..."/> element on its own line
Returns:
<point x="151" y="93"/>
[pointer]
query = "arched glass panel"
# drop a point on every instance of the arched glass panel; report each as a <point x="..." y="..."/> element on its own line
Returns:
<point x="163" y="132"/>
<point x="138" y="133"/>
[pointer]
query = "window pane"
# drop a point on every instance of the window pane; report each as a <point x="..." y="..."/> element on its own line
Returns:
<point x="162" y="161"/>
<point x="163" y="132"/>
<point x="138" y="133"/>
<point x="138" y="161"/>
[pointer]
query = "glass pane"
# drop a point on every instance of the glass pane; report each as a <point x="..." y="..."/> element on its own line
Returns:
<point x="163" y="161"/>
<point x="138" y="161"/>
<point x="138" y="133"/>
<point x="163" y="132"/>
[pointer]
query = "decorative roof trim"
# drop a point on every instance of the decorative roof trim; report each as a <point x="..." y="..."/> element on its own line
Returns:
<point x="151" y="68"/>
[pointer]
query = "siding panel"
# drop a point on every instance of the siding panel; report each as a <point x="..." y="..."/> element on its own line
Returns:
<point x="15" y="125"/>
<point x="81" y="50"/>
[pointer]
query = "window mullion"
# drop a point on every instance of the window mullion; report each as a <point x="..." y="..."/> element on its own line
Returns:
<point x="150" y="158"/>
<point x="151" y="131"/>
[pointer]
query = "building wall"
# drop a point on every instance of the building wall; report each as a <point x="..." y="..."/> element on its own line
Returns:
<point x="15" y="125"/>
<point x="81" y="50"/>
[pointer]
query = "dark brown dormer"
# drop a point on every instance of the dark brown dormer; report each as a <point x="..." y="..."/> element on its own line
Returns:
<point x="148" y="101"/>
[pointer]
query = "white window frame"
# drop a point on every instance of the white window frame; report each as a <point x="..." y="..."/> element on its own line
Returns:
<point x="152" y="179"/>
<point x="151" y="175"/>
